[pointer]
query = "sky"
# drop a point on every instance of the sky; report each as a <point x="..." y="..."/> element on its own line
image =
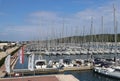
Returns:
<point x="22" y="20"/>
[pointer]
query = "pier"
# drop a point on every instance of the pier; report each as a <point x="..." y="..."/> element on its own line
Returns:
<point x="50" y="70"/>
<point x="36" y="71"/>
<point x="81" y="68"/>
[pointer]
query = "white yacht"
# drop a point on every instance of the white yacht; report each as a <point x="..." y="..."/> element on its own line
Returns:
<point x="67" y="63"/>
<point x="107" y="71"/>
<point x="39" y="64"/>
<point x="53" y="64"/>
<point x="47" y="52"/>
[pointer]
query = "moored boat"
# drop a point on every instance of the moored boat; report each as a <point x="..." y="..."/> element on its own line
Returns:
<point x="40" y="64"/>
<point x="110" y="72"/>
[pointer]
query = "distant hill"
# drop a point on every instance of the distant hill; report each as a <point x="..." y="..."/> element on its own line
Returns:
<point x="89" y="38"/>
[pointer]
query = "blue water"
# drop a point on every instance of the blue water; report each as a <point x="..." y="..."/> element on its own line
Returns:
<point x="90" y="76"/>
<point x="81" y="75"/>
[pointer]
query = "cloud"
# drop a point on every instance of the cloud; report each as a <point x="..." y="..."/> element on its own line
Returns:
<point x="44" y="14"/>
<point x="19" y="32"/>
<point x="46" y="21"/>
<point x="43" y="17"/>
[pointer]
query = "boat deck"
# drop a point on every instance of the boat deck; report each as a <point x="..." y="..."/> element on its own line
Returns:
<point x="115" y="74"/>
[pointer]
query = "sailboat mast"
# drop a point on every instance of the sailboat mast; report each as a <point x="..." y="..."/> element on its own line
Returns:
<point x="91" y="30"/>
<point x="102" y="35"/>
<point x="102" y="29"/>
<point x="115" y="31"/>
<point x="91" y="38"/>
<point x="115" y="27"/>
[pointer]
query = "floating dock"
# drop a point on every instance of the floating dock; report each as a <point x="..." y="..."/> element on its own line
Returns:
<point x="81" y="68"/>
<point x="36" y="71"/>
<point x="49" y="70"/>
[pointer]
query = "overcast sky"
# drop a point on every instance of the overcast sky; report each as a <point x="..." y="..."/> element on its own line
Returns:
<point x="42" y="19"/>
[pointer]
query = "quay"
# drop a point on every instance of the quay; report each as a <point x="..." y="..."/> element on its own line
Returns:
<point x="43" y="78"/>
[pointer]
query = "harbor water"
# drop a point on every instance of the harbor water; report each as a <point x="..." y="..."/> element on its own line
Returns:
<point x="90" y="76"/>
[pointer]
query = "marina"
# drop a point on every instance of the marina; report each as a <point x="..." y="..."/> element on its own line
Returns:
<point x="23" y="68"/>
<point x="74" y="63"/>
<point x="60" y="40"/>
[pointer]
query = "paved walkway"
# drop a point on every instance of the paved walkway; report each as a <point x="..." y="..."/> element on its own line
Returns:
<point x="43" y="78"/>
<point x="2" y="55"/>
<point x="8" y="51"/>
<point x="66" y="78"/>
